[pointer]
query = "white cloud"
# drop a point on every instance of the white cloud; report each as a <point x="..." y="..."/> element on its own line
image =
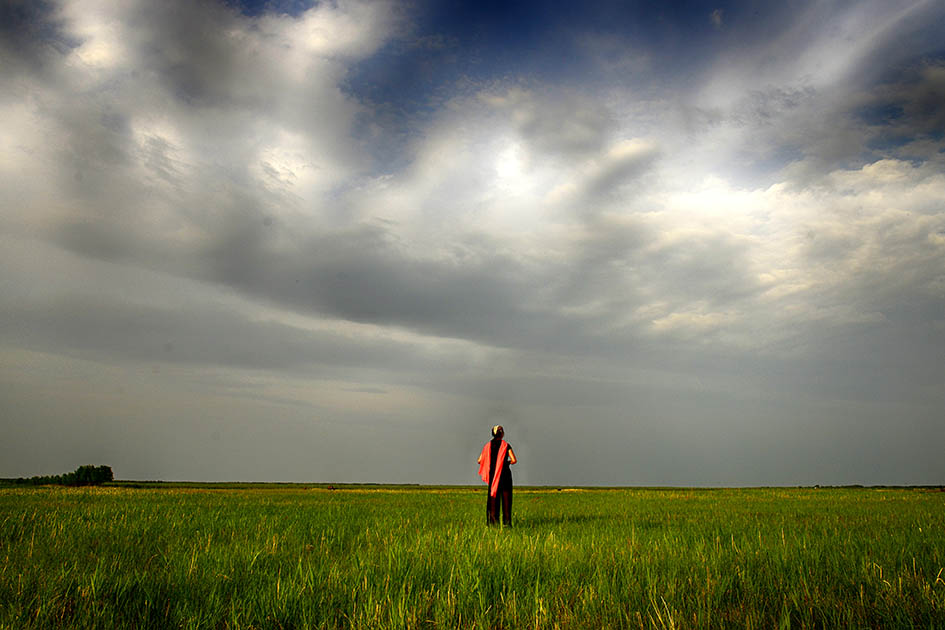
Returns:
<point x="352" y="29"/>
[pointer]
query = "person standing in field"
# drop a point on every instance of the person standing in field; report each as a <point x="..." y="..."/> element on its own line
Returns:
<point x="494" y="462"/>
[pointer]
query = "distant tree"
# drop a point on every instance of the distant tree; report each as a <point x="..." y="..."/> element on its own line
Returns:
<point x="90" y="475"/>
<point x="81" y="476"/>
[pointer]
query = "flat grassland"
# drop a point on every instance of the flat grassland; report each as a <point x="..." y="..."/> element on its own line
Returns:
<point x="411" y="557"/>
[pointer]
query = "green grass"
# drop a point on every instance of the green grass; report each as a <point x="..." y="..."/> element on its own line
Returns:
<point x="389" y="557"/>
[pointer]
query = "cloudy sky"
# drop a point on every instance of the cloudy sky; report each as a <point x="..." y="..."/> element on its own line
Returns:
<point x="691" y="243"/>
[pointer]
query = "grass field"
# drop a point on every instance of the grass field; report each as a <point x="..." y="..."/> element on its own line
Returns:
<point x="412" y="557"/>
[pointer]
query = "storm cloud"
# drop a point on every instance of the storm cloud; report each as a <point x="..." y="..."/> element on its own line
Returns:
<point x="695" y="247"/>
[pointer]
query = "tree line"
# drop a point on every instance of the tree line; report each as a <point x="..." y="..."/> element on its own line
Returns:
<point x="81" y="476"/>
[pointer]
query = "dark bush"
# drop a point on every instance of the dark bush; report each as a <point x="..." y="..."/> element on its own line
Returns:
<point x="82" y="476"/>
<point x="91" y="475"/>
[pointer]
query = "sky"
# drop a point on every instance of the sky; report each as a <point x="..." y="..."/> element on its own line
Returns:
<point x="662" y="243"/>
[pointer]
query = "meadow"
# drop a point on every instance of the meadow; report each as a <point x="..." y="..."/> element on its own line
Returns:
<point x="418" y="557"/>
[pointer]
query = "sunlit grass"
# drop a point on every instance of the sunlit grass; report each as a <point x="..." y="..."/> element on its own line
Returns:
<point x="406" y="558"/>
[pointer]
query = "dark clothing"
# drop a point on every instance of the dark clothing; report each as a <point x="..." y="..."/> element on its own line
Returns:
<point x="504" y="495"/>
<point x="506" y="478"/>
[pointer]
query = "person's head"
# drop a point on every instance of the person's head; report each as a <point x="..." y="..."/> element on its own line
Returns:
<point x="498" y="431"/>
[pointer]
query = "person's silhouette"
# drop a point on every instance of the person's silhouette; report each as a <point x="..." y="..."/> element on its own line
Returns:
<point x="494" y="462"/>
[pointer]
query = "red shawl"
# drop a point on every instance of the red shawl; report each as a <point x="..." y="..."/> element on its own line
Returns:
<point x="484" y="460"/>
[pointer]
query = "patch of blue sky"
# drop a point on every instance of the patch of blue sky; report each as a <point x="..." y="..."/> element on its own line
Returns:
<point x="451" y="46"/>
<point x="253" y="8"/>
<point x="880" y="113"/>
<point x="33" y="24"/>
<point x="887" y="144"/>
<point x="546" y="42"/>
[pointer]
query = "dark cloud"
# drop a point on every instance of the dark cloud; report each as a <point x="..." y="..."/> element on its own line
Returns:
<point x="565" y="125"/>
<point x="121" y="331"/>
<point x="32" y="39"/>
<point x="908" y="110"/>
<point x="714" y="269"/>
<point x="202" y="55"/>
<point x="621" y="166"/>
<point x="360" y="274"/>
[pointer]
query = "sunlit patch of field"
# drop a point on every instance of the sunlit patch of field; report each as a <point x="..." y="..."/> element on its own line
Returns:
<point x="405" y="557"/>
